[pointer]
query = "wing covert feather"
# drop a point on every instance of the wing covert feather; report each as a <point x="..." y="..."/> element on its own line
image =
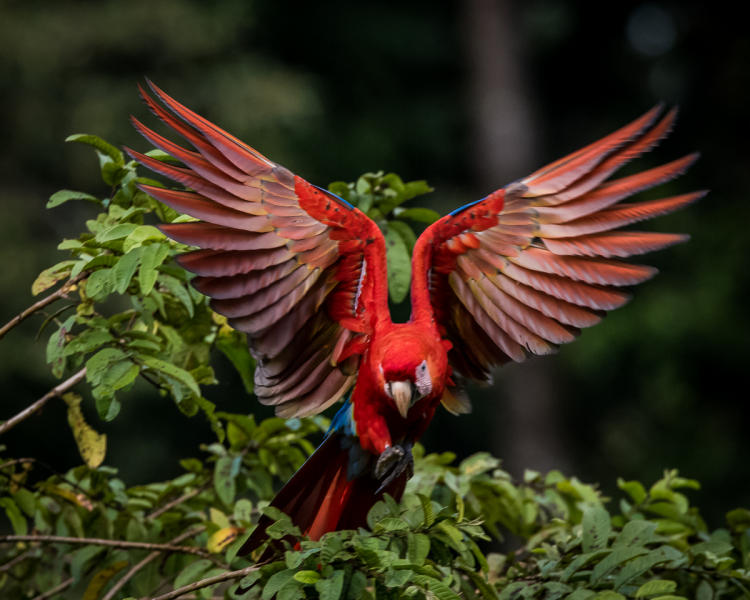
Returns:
<point x="525" y="268"/>
<point x="296" y="268"/>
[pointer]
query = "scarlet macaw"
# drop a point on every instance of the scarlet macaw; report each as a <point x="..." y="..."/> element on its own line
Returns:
<point x="303" y="273"/>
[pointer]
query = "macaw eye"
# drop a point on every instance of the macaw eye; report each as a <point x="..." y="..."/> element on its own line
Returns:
<point x="422" y="379"/>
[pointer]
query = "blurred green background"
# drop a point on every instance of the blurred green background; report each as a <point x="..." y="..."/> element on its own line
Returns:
<point x="468" y="95"/>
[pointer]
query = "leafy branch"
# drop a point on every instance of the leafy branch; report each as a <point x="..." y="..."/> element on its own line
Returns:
<point x="135" y="316"/>
<point x="55" y="392"/>
<point x="61" y="292"/>
<point x="59" y="539"/>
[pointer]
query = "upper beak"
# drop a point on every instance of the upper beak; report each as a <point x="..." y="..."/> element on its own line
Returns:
<point x="402" y="395"/>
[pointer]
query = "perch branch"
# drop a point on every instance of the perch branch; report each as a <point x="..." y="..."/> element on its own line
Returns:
<point x="39" y="404"/>
<point x="37" y="306"/>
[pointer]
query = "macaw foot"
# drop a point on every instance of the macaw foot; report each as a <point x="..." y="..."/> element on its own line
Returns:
<point x="394" y="461"/>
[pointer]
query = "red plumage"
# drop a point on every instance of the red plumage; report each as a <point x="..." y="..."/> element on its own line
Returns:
<point x="303" y="273"/>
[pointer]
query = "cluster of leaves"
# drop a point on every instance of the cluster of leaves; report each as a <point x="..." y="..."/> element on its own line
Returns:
<point x="135" y="313"/>
<point x="131" y="314"/>
<point x="431" y="545"/>
<point x="380" y="196"/>
<point x="202" y="512"/>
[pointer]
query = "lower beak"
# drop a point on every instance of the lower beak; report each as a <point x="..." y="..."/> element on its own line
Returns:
<point x="402" y="394"/>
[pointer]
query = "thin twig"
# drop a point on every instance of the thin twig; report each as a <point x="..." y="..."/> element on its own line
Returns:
<point x="58" y="539"/>
<point x="17" y="560"/>
<point x="185" y="589"/>
<point x="179" y="500"/>
<point x="37" y="306"/>
<point x="39" y="404"/>
<point x="17" y="461"/>
<point x="143" y="562"/>
<point x="55" y="590"/>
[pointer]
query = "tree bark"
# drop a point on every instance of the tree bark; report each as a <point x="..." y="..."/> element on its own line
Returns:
<point x="505" y="141"/>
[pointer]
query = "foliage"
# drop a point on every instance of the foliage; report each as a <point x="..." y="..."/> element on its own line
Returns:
<point x="86" y="534"/>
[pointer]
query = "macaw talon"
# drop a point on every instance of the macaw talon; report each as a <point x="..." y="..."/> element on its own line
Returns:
<point x="393" y="462"/>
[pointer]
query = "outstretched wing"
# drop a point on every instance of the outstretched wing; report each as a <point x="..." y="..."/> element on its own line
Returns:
<point x="524" y="269"/>
<point x="298" y="269"/>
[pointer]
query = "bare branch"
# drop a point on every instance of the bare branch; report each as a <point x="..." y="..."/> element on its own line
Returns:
<point x="14" y="561"/>
<point x="39" y="404"/>
<point x="55" y="590"/>
<point x="179" y="500"/>
<point x="37" y="306"/>
<point x="143" y="562"/>
<point x="57" y="539"/>
<point x="17" y="461"/>
<point x="228" y="576"/>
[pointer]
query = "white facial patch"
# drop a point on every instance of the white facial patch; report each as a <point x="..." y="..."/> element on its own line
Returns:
<point x="422" y="379"/>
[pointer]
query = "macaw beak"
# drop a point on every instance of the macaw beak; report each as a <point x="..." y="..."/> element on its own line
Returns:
<point x="402" y="395"/>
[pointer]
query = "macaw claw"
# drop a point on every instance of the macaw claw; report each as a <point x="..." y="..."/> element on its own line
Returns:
<point x="394" y="461"/>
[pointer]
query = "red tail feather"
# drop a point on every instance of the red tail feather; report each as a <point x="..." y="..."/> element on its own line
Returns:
<point x="323" y="495"/>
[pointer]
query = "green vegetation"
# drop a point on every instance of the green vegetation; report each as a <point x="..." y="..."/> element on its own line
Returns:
<point x="130" y="313"/>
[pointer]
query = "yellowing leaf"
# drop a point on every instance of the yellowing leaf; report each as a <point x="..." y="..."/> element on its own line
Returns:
<point x="91" y="445"/>
<point x="100" y="580"/>
<point x="50" y="276"/>
<point x="222" y="538"/>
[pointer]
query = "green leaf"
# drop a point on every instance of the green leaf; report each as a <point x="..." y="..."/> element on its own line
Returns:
<point x="193" y="572"/>
<point x="171" y="370"/>
<point x="115" y="232"/>
<point x="422" y="215"/>
<point x="307" y="577"/>
<point x="15" y="516"/>
<point x="429" y="513"/>
<point x="406" y="232"/>
<point x="62" y="196"/>
<point x="233" y="345"/>
<point x="176" y="288"/>
<point x="397" y="578"/>
<point x="331" y="587"/>
<point x="417" y="548"/>
<point x="124" y="270"/>
<point x="88" y="340"/>
<point x="100" y="284"/>
<point x="436" y="587"/>
<point x="640" y="565"/>
<point x="596" y="528"/>
<point x="80" y="558"/>
<point x="141" y="234"/>
<point x="617" y="557"/>
<point x="637" y="533"/>
<point x="656" y="587"/>
<point x="225" y="473"/>
<point x="98" y="365"/>
<point x="634" y="489"/>
<point x="153" y="255"/>
<point x="608" y="595"/>
<point x="276" y="582"/>
<point x="106" y="404"/>
<point x="399" y="266"/>
<point x="101" y="146"/>
<point x="50" y="276"/>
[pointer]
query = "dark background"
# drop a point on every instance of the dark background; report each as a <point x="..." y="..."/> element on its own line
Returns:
<point x="468" y="95"/>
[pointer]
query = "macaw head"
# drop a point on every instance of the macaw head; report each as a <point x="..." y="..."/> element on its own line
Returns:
<point x="411" y="368"/>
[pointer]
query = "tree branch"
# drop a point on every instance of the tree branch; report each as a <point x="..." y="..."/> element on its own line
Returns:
<point x="55" y="590"/>
<point x="185" y="589"/>
<point x="37" y="306"/>
<point x="39" y="404"/>
<point x="179" y="500"/>
<point x="57" y="539"/>
<point x="15" y="561"/>
<point x="143" y="562"/>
